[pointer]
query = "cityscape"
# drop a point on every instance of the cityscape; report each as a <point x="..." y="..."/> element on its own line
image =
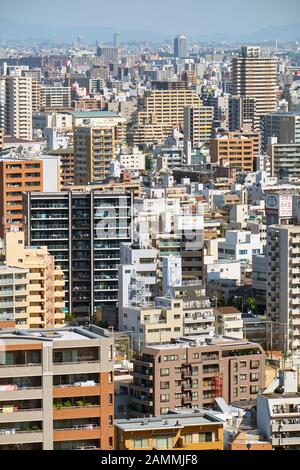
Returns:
<point x="150" y="228"/>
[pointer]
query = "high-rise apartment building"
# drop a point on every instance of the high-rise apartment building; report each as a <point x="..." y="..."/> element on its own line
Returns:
<point x="159" y="111"/>
<point x="283" y="285"/>
<point x="190" y="373"/>
<point x="254" y="76"/>
<point x="55" y="97"/>
<point x="284" y="126"/>
<point x="94" y="149"/>
<point x="242" y="113"/>
<point x="284" y="160"/>
<point x="56" y="389"/>
<point x="16" y="106"/>
<point x="234" y="152"/>
<point x="17" y="176"/>
<point x="46" y="294"/>
<point x="181" y="47"/>
<point x="36" y="96"/>
<point x="198" y="124"/>
<point x="83" y="230"/>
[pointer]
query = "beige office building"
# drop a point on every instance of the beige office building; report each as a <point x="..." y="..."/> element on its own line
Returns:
<point x="46" y="296"/>
<point x="254" y="76"/>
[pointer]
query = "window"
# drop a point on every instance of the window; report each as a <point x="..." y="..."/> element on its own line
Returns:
<point x="254" y="389"/>
<point x="243" y="364"/>
<point x="165" y="410"/>
<point x="177" y="305"/>
<point x="110" y="441"/>
<point x="254" y="377"/>
<point x="141" y="443"/>
<point x="177" y="383"/>
<point x="177" y="328"/>
<point x="177" y="370"/>
<point x="243" y="376"/>
<point x="243" y="389"/>
<point x="164" y="385"/>
<point x="235" y="392"/>
<point x="110" y="420"/>
<point x="164" y="398"/>
<point x="164" y="372"/>
<point x="173" y="357"/>
<point x="176" y="317"/>
<point x="178" y="396"/>
<point x="163" y="442"/>
<point x="235" y="379"/>
<point x="110" y="398"/>
<point x="110" y="378"/>
<point x="194" y="396"/>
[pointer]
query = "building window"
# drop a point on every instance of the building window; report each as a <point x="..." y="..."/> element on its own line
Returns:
<point x="110" y="398"/>
<point x="177" y="328"/>
<point x="164" y="411"/>
<point x="254" y="377"/>
<point x="110" y="378"/>
<point x="110" y="441"/>
<point x="195" y="355"/>
<point x="235" y="392"/>
<point x="194" y="396"/>
<point x="178" y="396"/>
<point x="243" y="376"/>
<point x="243" y="364"/>
<point x="243" y="389"/>
<point x="173" y="357"/>
<point x="163" y="442"/>
<point x="110" y="420"/>
<point x="164" y="385"/>
<point x="176" y="317"/>
<point x="177" y="370"/>
<point x="164" y="372"/>
<point x="141" y="443"/>
<point x="164" y="398"/>
<point x="177" y="383"/>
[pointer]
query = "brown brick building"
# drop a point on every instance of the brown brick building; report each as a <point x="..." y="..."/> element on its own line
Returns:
<point x="16" y="177"/>
<point x="190" y="374"/>
<point x="234" y="151"/>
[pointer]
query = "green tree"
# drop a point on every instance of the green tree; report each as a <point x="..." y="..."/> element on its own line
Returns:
<point x="222" y="230"/>
<point x="70" y="319"/>
<point x="148" y="162"/>
<point x="251" y="304"/>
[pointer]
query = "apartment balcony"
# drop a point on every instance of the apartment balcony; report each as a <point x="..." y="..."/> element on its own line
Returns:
<point x="186" y="386"/>
<point x="84" y="367"/>
<point x="65" y="391"/>
<point x="35" y="309"/>
<point x="77" y="412"/>
<point x="20" y="393"/>
<point x="12" y="436"/>
<point x="21" y="415"/>
<point x="186" y="399"/>
<point x="58" y="304"/>
<point x="36" y="321"/>
<point x="21" y="370"/>
<point x="285" y="441"/>
<point x="142" y="400"/>
<point x="60" y="282"/>
<point x="78" y="433"/>
<point x="36" y="276"/>
<point x="36" y="298"/>
<point x="280" y="427"/>
<point x="295" y="321"/>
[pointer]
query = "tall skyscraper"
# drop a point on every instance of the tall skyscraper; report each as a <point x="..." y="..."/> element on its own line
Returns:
<point x="16" y="106"/>
<point x="254" y="76"/>
<point x="242" y="113"/>
<point x="117" y="40"/>
<point x="181" y="47"/>
<point x="83" y="231"/>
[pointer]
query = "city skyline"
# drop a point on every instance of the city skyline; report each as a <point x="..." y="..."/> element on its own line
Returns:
<point x="195" y="21"/>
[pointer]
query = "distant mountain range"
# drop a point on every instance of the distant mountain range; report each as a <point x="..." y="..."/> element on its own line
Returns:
<point x="11" y="30"/>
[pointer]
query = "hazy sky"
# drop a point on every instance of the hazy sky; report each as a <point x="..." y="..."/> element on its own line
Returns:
<point x="166" y="16"/>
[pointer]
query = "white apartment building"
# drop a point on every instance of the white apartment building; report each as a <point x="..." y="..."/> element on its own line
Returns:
<point x="240" y="246"/>
<point x="132" y="160"/>
<point x="278" y="412"/>
<point x="137" y="277"/>
<point x="283" y="285"/>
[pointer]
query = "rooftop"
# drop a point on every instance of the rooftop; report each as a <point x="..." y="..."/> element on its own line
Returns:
<point x="170" y="421"/>
<point x="94" y="114"/>
<point x="63" y="334"/>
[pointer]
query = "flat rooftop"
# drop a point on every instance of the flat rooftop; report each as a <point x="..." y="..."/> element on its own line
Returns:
<point x="168" y="421"/>
<point x="187" y="341"/>
<point x="63" y="334"/>
<point x="94" y="114"/>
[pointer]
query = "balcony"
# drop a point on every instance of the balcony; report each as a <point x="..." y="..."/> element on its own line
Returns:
<point x="65" y="391"/>
<point x="21" y="370"/>
<point x="21" y="415"/>
<point x="20" y="393"/>
<point x="186" y="399"/>
<point x="77" y="412"/>
<point x="77" y="433"/>
<point x="12" y="436"/>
